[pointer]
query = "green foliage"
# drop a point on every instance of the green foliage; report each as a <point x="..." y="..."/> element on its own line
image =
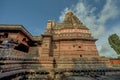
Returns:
<point x="114" y="41"/>
<point x="118" y="57"/>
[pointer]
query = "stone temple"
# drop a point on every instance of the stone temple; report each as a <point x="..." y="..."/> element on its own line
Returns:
<point x="70" y="43"/>
<point x="63" y="47"/>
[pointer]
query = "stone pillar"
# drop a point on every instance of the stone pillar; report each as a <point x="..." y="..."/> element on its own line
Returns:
<point x="46" y="46"/>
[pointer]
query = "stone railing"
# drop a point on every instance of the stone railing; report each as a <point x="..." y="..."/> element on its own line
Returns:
<point x="12" y="53"/>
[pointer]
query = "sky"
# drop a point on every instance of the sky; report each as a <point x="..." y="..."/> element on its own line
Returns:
<point x="102" y="17"/>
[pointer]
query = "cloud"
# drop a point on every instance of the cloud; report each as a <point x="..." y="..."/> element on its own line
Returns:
<point x="97" y="22"/>
<point x="105" y="48"/>
<point x="109" y="11"/>
<point x="61" y="18"/>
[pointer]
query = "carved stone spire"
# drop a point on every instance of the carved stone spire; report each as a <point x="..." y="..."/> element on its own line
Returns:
<point x="70" y="18"/>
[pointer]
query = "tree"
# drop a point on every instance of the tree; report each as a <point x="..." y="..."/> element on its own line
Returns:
<point x="114" y="41"/>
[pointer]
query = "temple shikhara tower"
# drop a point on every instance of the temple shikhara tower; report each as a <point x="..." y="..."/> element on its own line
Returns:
<point x="65" y="46"/>
<point x="68" y="39"/>
<point x="69" y="42"/>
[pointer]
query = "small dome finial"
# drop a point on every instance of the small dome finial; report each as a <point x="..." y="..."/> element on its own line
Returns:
<point x="69" y="12"/>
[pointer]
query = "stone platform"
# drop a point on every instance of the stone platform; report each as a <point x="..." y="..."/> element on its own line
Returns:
<point x="77" y="63"/>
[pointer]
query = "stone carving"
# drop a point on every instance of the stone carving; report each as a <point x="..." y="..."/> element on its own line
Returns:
<point x="70" y="18"/>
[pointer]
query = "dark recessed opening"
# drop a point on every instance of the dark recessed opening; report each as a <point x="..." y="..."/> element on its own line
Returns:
<point x="80" y="55"/>
<point x="73" y="45"/>
<point x="22" y="47"/>
<point x="79" y="46"/>
<point x="5" y="35"/>
<point x="24" y="39"/>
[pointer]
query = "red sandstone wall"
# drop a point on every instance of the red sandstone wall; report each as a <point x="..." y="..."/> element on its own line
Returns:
<point x="20" y="37"/>
<point x="115" y="61"/>
<point x="46" y="62"/>
<point x="74" y="49"/>
<point x="12" y="35"/>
